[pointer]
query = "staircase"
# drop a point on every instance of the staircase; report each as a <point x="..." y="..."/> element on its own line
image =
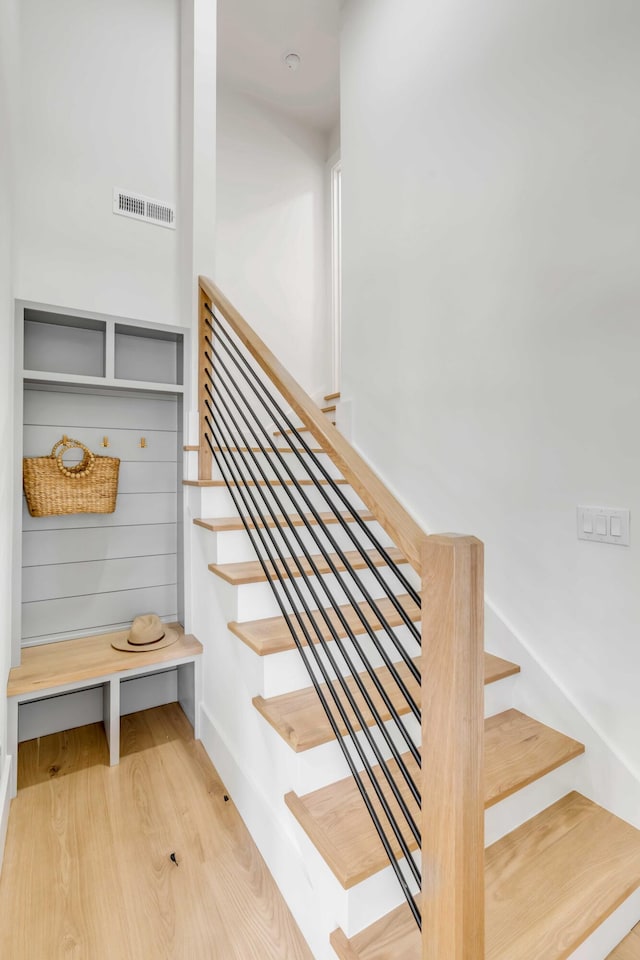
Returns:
<point x="561" y="874"/>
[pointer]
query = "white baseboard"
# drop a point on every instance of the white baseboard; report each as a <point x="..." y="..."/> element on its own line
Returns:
<point x="5" y="803"/>
<point x="276" y="844"/>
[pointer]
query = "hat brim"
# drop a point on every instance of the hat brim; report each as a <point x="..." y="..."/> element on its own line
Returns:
<point x="170" y="636"/>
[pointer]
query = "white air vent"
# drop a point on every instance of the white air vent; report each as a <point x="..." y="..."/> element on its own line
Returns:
<point x="143" y="208"/>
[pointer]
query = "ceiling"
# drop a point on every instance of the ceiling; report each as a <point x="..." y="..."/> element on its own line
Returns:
<point x="255" y="35"/>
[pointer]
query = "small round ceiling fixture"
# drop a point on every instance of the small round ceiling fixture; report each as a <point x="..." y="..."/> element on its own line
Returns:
<point x="292" y="60"/>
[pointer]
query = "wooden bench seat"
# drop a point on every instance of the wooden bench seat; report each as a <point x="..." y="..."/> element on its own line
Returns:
<point x="69" y="665"/>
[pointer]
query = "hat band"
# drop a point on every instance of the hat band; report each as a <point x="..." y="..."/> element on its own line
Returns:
<point x="147" y="643"/>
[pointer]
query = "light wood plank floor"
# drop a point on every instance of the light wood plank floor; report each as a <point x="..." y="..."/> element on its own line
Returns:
<point x="87" y="872"/>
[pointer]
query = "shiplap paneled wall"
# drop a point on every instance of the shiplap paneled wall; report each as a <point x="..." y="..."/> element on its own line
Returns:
<point x="88" y="573"/>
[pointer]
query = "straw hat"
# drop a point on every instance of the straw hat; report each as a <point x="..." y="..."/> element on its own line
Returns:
<point x="147" y="633"/>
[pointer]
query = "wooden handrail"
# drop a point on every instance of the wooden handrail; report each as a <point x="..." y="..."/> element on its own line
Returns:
<point x="391" y="515"/>
<point x="452" y="749"/>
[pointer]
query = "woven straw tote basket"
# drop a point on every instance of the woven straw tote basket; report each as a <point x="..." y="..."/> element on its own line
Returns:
<point x="53" y="489"/>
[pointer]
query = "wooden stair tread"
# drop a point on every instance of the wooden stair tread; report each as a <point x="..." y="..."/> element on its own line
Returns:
<point x="227" y="524"/>
<point x="332" y="396"/>
<point x="261" y="483"/>
<point x="51" y="665"/>
<point x="189" y="447"/>
<point x="629" y="949"/>
<point x="300" y="720"/>
<point x="549" y="884"/>
<point x="330" y="409"/>
<point x="250" y="571"/>
<point x="272" y="635"/>
<point x="518" y="750"/>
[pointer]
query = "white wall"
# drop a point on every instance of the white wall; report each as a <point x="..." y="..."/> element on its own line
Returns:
<point x="99" y="91"/>
<point x="8" y="85"/>
<point x="491" y="298"/>
<point x="271" y="214"/>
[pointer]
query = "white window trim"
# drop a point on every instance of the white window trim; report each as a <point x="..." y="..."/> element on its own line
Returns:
<point x="335" y="175"/>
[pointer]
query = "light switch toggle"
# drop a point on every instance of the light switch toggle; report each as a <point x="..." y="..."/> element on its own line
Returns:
<point x="604" y="524"/>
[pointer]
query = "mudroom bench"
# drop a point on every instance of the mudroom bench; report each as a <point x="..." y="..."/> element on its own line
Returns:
<point x="52" y="669"/>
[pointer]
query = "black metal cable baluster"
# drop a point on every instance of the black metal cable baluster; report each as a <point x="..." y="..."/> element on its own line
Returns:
<point x="372" y="604"/>
<point x="333" y="569"/>
<point x="329" y="559"/>
<point x="222" y="421"/>
<point x="307" y="450"/>
<point x="413" y="669"/>
<point x="256" y="533"/>
<point x="330" y="480"/>
<point x="325" y="616"/>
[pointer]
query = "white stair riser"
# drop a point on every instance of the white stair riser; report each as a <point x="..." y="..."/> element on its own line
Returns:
<point x="190" y="465"/>
<point x="284" y="672"/>
<point x="500" y="695"/>
<point x="256" y="600"/>
<point x="270" y="466"/>
<point x="531" y="800"/>
<point x="236" y="546"/>
<point x="217" y="501"/>
<point x="362" y="904"/>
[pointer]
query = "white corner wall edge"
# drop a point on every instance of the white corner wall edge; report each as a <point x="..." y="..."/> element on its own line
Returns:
<point x="276" y="845"/>
<point x="5" y="803"/>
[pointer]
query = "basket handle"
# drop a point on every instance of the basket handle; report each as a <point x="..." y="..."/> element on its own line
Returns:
<point x="81" y="469"/>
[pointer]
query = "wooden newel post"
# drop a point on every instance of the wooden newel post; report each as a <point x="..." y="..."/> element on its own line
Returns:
<point x="452" y="748"/>
<point x="204" y="331"/>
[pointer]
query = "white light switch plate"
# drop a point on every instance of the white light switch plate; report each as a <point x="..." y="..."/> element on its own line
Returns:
<point x="604" y="524"/>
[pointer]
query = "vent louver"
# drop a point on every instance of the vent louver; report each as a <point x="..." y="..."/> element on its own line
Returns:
<point x="143" y="208"/>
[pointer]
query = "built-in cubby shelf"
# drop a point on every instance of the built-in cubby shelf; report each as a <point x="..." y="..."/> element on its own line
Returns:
<point x="65" y="348"/>
<point x="65" y="345"/>
<point x="147" y="355"/>
<point x="53" y="669"/>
